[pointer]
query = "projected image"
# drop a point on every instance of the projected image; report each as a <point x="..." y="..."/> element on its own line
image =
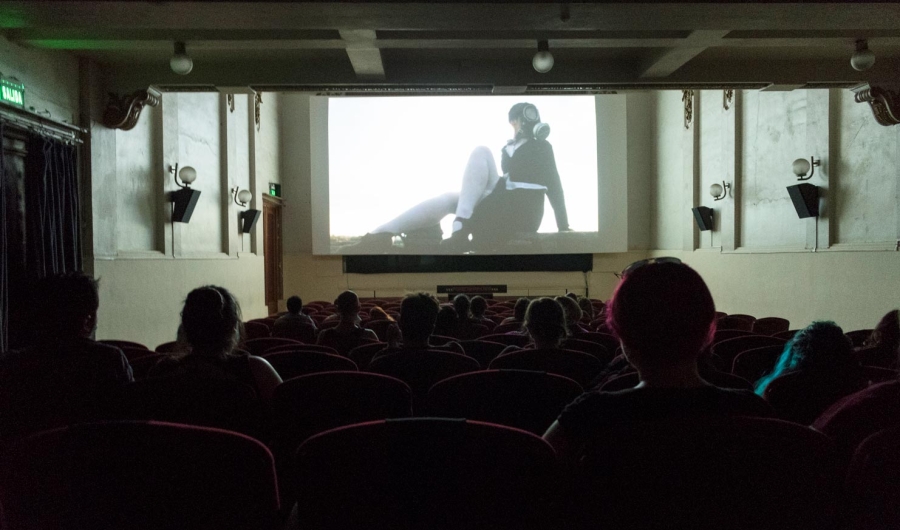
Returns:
<point x="460" y="175"/>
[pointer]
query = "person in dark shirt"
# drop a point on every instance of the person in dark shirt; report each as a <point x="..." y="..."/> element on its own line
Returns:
<point x="518" y="312"/>
<point x="664" y="315"/>
<point x="63" y="376"/>
<point x="211" y="327"/>
<point x="295" y="316"/>
<point x="348" y="334"/>
<point x="418" y="316"/>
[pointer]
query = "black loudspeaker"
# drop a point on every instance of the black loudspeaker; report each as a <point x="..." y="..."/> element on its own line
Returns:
<point x="248" y="220"/>
<point x="704" y="217"/>
<point x="806" y="199"/>
<point x="185" y="200"/>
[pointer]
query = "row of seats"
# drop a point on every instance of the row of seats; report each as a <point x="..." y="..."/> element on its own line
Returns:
<point x="442" y="473"/>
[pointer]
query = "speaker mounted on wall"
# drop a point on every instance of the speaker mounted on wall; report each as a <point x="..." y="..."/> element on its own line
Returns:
<point x="185" y="200"/>
<point x="248" y="220"/>
<point x="806" y="199"/>
<point x="703" y="215"/>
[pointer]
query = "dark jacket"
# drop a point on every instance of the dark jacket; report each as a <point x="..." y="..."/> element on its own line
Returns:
<point x="533" y="162"/>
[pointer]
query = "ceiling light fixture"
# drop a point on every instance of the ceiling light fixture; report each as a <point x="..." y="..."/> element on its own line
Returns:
<point x="543" y="59"/>
<point x="863" y="58"/>
<point x="181" y="63"/>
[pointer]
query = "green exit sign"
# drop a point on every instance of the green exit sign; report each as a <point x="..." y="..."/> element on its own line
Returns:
<point x="12" y="92"/>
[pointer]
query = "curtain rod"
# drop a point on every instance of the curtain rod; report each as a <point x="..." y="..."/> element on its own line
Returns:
<point x="41" y="125"/>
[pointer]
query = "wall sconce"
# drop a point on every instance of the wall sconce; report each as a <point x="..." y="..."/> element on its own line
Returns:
<point x="248" y="217"/>
<point x="719" y="191"/>
<point x="186" y="198"/>
<point x="803" y="166"/>
<point x="703" y="216"/>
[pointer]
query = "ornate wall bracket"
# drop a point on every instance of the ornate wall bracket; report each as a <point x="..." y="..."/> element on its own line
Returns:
<point x="123" y="112"/>
<point x="257" y="101"/>
<point x="687" y="96"/>
<point x="885" y="102"/>
<point x="229" y="99"/>
<point x="727" y="98"/>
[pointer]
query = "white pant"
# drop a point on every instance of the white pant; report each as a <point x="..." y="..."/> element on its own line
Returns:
<point x="478" y="181"/>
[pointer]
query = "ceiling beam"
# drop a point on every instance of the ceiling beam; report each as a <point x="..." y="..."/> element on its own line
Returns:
<point x="447" y="15"/>
<point x="364" y="55"/>
<point x="669" y="61"/>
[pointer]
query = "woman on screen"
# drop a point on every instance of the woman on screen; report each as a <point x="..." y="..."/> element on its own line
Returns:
<point x="490" y="207"/>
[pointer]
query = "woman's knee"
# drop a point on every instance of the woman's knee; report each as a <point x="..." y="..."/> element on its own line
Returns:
<point x="481" y="153"/>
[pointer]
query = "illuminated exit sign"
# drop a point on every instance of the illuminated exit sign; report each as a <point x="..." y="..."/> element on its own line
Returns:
<point x="12" y="92"/>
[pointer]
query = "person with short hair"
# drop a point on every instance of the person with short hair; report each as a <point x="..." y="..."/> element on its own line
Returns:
<point x="295" y="317"/>
<point x="418" y="316"/>
<point x="518" y="311"/>
<point x="545" y="323"/>
<point x="63" y="376"/>
<point x="211" y="328"/>
<point x="573" y="314"/>
<point x="664" y="315"/>
<point x="348" y="334"/>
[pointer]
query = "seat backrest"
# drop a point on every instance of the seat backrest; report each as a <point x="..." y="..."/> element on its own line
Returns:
<point x="737" y="473"/>
<point x="304" y="333"/>
<point x="876" y="375"/>
<point x="304" y="347"/>
<point x="299" y="362"/>
<point x="380" y="327"/>
<point x="873" y="482"/>
<point x="725" y="334"/>
<point x="168" y="347"/>
<point x="363" y="355"/>
<point x="621" y="382"/>
<point x="507" y="339"/>
<point x="482" y="351"/>
<point x="770" y="325"/>
<point x="124" y="344"/>
<point x="141" y="366"/>
<point x="757" y="362"/>
<point x="194" y="401"/>
<point x="728" y="349"/>
<point x="610" y="342"/>
<point x="425" y="473"/>
<point x="256" y="330"/>
<point x="262" y="345"/>
<point x="859" y="336"/>
<point x="315" y="403"/>
<point x="506" y="328"/>
<point x="138" y="475"/>
<point x="731" y="322"/>
<point x="879" y="355"/>
<point x="527" y="400"/>
<point x="595" y="349"/>
<point x="422" y="369"/>
<point x="132" y="353"/>
<point x="803" y="396"/>
<point x="572" y="364"/>
<point x="786" y="335"/>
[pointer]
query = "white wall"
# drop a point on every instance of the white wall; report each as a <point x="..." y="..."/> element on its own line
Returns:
<point x="763" y="260"/>
<point x="51" y="79"/>
<point x="146" y="263"/>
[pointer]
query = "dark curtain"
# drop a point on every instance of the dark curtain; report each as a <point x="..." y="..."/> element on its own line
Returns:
<point x="52" y="233"/>
<point x="4" y="251"/>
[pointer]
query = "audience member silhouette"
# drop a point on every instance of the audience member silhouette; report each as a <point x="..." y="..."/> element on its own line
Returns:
<point x="478" y="306"/>
<point x="211" y="328"/>
<point x="447" y="322"/>
<point x="418" y="315"/>
<point x="883" y="345"/>
<point x="573" y="314"/>
<point x="518" y="311"/>
<point x="820" y="369"/>
<point x="664" y="315"/>
<point x="463" y="307"/>
<point x="348" y="334"/>
<point x="295" y="317"/>
<point x="63" y="376"/>
<point x="587" y="309"/>
<point x="545" y="323"/>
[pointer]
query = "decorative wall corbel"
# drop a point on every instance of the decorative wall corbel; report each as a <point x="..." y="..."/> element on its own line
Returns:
<point x="687" y="96"/>
<point x="885" y="102"/>
<point x="727" y="98"/>
<point x="123" y="112"/>
<point x="229" y="99"/>
<point x="257" y="101"/>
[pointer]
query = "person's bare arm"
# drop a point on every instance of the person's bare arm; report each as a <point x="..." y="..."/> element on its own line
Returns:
<point x="265" y="376"/>
<point x="562" y="443"/>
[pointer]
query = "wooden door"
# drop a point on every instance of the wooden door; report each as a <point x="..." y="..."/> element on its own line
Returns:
<point x="272" y="252"/>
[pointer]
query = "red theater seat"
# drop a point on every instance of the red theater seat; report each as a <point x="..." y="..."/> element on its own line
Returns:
<point x="425" y="473"/>
<point x="575" y="365"/>
<point x="138" y="475"/>
<point x="295" y="363"/>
